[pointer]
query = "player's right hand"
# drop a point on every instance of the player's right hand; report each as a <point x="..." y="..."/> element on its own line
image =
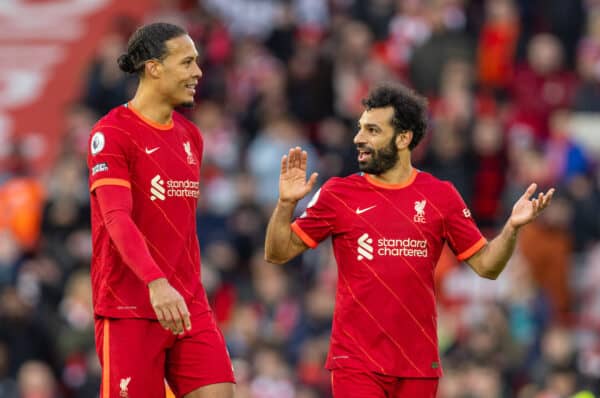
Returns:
<point x="293" y="185"/>
<point x="169" y="306"/>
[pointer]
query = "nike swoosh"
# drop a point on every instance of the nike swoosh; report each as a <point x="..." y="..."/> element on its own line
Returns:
<point x="361" y="211"/>
<point x="151" y="151"/>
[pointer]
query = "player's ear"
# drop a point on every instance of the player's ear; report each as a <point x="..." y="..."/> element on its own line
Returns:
<point x="403" y="139"/>
<point x="153" y="68"/>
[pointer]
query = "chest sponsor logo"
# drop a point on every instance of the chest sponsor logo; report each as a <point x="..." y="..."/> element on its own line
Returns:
<point x="367" y="248"/>
<point x="187" y="147"/>
<point x="419" y="217"/>
<point x="161" y="189"/>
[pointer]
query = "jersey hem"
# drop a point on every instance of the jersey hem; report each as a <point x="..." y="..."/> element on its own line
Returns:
<point x="303" y="235"/>
<point x="472" y="250"/>
<point x="110" y="181"/>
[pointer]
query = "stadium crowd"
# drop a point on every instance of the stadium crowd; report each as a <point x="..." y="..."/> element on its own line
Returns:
<point x="509" y="83"/>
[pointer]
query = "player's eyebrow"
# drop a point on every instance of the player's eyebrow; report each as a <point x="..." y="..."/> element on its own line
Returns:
<point x="189" y="58"/>
<point x="369" y="125"/>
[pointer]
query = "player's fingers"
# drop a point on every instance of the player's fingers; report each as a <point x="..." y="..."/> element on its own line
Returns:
<point x="312" y="181"/>
<point x="529" y="191"/>
<point x="303" y="160"/>
<point x="165" y="319"/>
<point x="185" y="315"/>
<point x="176" y="322"/>
<point x="297" y="157"/>
<point x="161" y="317"/>
<point x="284" y="164"/>
<point x="548" y="197"/>
<point x="535" y="203"/>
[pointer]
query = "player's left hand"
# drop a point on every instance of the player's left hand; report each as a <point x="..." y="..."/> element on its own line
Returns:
<point x="525" y="210"/>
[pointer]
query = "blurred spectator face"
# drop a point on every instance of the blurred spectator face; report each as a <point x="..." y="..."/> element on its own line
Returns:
<point x="559" y="215"/>
<point x="452" y="385"/>
<point x="559" y="123"/>
<point x="9" y="252"/>
<point x="557" y="346"/>
<point x="561" y="383"/>
<point x="272" y="376"/>
<point x="457" y="73"/>
<point x="500" y="10"/>
<point x="12" y="306"/>
<point x="447" y="143"/>
<point x="111" y="47"/>
<point x="320" y="303"/>
<point x="79" y="121"/>
<point x="35" y="380"/>
<point x="409" y="7"/>
<point x="487" y="136"/>
<point x="4" y="360"/>
<point x="545" y="54"/>
<point x="356" y="41"/>
<point x="244" y="327"/>
<point x="269" y="281"/>
<point x="77" y="304"/>
<point x="484" y="382"/>
<point x="222" y="255"/>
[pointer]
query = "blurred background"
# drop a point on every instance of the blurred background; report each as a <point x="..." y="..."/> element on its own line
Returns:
<point x="514" y="94"/>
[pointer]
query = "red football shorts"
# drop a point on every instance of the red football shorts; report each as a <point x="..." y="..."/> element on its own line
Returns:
<point x="352" y="383"/>
<point x="137" y="355"/>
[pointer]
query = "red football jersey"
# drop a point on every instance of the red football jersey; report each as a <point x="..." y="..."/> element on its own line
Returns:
<point x="387" y="240"/>
<point x="161" y="166"/>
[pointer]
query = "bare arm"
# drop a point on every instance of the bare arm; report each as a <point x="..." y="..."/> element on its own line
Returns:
<point x="281" y="243"/>
<point x="492" y="258"/>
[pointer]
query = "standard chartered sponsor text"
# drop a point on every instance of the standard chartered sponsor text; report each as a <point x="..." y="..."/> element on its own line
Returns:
<point x="402" y="247"/>
<point x="183" y="188"/>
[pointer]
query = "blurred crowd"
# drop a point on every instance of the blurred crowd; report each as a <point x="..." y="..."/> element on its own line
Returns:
<point x="509" y="83"/>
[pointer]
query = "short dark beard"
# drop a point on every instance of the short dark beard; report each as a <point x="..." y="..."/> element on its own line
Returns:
<point x="381" y="160"/>
<point x="187" y="105"/>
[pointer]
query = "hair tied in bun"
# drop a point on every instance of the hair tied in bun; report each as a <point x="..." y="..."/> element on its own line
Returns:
<point x="126" y="64"/>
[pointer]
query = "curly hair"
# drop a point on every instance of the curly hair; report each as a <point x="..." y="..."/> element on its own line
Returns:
<point x="410" y="109"/>
<point x="148" y="42"/>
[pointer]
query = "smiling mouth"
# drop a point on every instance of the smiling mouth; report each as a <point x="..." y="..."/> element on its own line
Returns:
<point x="191" y="86"/>
<point x="363" y="155"/>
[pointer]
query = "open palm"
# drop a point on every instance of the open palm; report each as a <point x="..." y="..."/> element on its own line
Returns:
<point x="526" y="210"/>
<point x="293" y="184"/>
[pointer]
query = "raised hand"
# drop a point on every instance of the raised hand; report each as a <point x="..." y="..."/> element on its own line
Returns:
<point x="526" y="210"/>
<point x="293" y="185"/>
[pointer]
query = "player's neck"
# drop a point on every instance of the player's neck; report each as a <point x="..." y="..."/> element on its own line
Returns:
<point x="399" y="174"/>
<point x="151" y="107"/>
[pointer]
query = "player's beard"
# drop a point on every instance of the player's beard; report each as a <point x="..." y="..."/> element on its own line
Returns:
<point x="381" y="159"/>
<point x="187" y="104"/>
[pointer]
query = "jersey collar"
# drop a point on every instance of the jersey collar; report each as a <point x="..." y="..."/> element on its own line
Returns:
<point x="401" y="185"/>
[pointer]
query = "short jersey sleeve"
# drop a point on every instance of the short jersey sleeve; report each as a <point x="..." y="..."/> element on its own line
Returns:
<point x="462" y="234"/>
<point x="108" y="152"/>
<point x="318" y="220"/>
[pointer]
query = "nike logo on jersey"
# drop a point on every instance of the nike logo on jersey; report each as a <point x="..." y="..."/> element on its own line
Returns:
<point x="361" y="211"/>
<point x="151" y="151"/>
